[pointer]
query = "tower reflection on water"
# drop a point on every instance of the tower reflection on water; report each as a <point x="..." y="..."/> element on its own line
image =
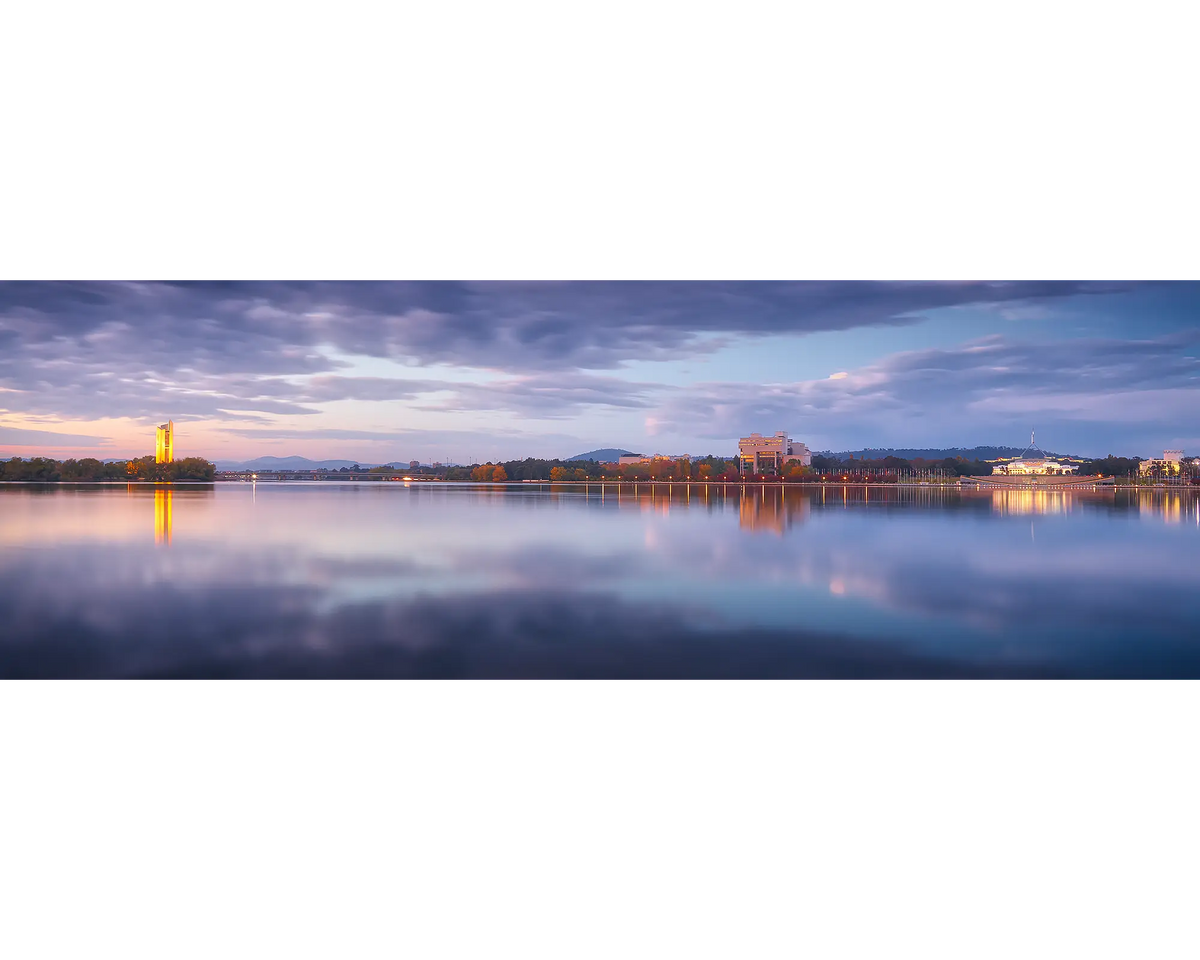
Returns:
<point x="162" y="510"/>
<point x="162" y="517"/>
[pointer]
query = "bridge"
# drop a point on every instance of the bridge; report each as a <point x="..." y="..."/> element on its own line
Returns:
<point x="274" y="475"/>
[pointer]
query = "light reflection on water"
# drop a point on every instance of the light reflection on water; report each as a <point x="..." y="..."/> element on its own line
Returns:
<point x="563" y="580"/>
<point x="162" y="517"/>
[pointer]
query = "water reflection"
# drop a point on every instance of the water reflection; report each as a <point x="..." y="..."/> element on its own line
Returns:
<point x="429" y="580"/>
<point x="760" y="503"/>
<point x="1169" y="506"/>
<point x="1025" y="502"/>
<point x="775" y="512"/>
<point x="162" y="517"/>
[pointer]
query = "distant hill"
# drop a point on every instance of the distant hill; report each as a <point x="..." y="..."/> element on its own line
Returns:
<point x="607" y="454"/>
<point x="930" y="453"/>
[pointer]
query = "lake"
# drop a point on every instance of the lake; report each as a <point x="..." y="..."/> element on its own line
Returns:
<point x="563" y="581"/>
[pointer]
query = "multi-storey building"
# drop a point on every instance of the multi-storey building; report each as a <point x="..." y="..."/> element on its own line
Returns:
<point x="1036" y="466"/>
<point x="1170" y="465"/>
<point x="756" y="453"/>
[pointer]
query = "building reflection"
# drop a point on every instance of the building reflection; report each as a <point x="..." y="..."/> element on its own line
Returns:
<point x="1172" y="506"/>
<point x="772" y="510"/>
<point x="777" y="507"/>
<point x="162" y="517"/>
<point x="1023" y="502"/>
<point x="1036" y="502"/>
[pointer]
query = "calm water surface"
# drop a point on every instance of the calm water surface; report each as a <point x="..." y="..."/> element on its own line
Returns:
<point x="429" y="580"/>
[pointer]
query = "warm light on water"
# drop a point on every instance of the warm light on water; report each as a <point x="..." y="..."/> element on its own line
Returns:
<point x="560" y="580"/>
<point x="162" y="517"/>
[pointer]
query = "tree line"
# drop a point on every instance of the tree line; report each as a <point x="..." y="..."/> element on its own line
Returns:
<point x="91" y="470"/>
<point x="704" y="468"/>
<point x="948" y="466"/>
<point x="533" y="468"/>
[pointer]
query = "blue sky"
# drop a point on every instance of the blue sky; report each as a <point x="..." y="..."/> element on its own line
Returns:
<point x="476" y="371"/>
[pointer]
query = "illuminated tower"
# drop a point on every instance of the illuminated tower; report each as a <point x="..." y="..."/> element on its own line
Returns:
<point x="164" y="443"/>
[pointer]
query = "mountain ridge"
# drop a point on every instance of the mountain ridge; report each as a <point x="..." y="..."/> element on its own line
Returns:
<point x="604" y="454"/>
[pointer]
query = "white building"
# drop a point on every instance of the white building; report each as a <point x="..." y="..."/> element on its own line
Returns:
<point x="1039" y="466"/>
<point x="756" y="452"/>
<point x="1170" y="464"/>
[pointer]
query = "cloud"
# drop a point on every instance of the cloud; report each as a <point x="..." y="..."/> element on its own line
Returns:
<point x="539" y="396"/>
<point x="255" y="352"/>
<point x="47" y="438"/>
<point x="135" y="349"/>
<point x="981" y="389"/>
<point x="316" y="433"/>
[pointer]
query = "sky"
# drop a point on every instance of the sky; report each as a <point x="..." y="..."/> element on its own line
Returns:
<point x="469" y="372"/>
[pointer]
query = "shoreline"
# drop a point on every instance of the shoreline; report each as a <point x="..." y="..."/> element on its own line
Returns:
<point x="984" y="486"/>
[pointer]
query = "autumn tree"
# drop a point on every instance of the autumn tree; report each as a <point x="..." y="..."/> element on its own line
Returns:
<point x="498" y="475"/>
